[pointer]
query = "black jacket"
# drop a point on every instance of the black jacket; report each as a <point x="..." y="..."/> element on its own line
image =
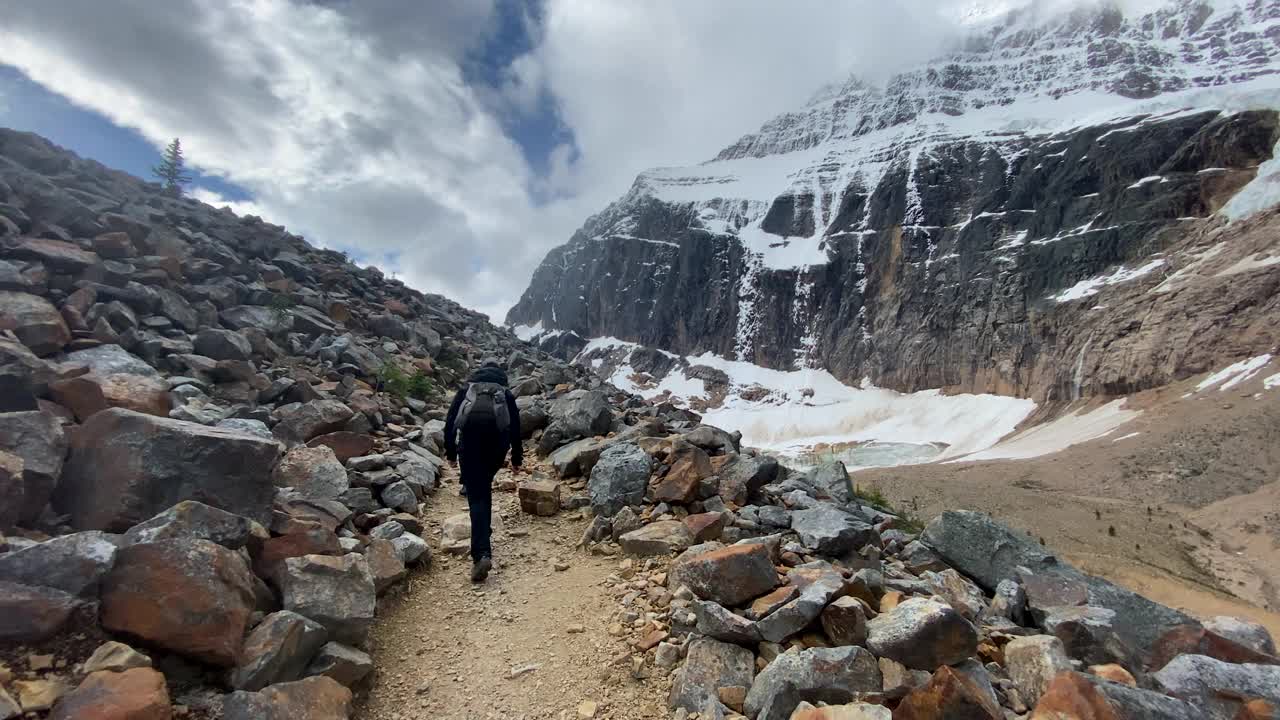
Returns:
<point x="489" y="375"/>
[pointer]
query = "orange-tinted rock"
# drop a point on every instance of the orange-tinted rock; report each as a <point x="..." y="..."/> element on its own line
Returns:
<point x="90" y="394"/>
<point x="191" y="597"/>
<point x="137" y="694"/>
<point x="114" y="245"/>
<point x="1194" y="640"/>
<point x="315" y="698"/>
<point x="730" y="576"/>
<point x="950" y="695"/>
<point x="345" y="445"/>
<point x="339" y="312"/>
<point x="705" y="526"/>
<point x="1258" y="710"/>
<point x="399" y="308"/>
<point x="1073" y="696"/>
<point x="766" y="604"/>
<point x="689" y="466"/>
<point x="890" y="600"/>
<point x="35" y="321"/>
<point x="304" y="539"/>
<point x="1114" y="673"/>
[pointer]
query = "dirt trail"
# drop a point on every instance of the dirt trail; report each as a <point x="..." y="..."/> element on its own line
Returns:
<point x="446" y="648"/>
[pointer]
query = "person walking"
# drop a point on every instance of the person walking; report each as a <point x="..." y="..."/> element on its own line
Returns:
<point x="483" y="425"/>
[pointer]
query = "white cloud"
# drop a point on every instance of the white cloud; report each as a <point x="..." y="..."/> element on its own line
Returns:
<point x="352" y="123"/>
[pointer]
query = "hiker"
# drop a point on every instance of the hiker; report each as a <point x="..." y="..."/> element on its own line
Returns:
<point x="483" y="424"/>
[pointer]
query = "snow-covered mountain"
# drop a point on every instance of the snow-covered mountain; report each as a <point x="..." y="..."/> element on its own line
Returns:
<point x="966" y="225"/>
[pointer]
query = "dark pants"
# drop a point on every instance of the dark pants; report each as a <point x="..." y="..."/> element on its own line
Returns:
<point x="481" y="455"/>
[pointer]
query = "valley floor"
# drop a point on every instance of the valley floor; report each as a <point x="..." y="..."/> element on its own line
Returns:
<point x="1181" y="504"/>
<point x="530" y="643"/>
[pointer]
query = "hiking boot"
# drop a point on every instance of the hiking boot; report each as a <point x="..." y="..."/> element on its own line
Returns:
<point x="481" y="569"/>
<point x="462" y="490"/>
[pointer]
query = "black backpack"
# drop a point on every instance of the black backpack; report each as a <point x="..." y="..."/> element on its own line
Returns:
<point x="485" y="404"/>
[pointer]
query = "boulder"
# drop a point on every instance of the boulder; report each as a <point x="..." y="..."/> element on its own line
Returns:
<point x="303" y="538"/>
<point x="716" y="621"/>
<point x="845" y="622"/>
<point x="818" y="582"/>
<point x="949" y="695"/>
<point x="222" y="344"/>
<point x="828" y="530"/>
<point x="1244" y="632"/>
<point x="706" y="526"/>
<point x="107" y="360"/>
<point x="345" y="445"/>
<point x="922" y="634"/>
<point x="1033" y="662"/>
<point x="709" y="666"/>
<point x="729" y="576"/>
<point x="852" y="711"/>
<point x="65" y="257"/>
<point x="312" y="471"/>
<point x="831" y="481"/>
<point x="314" y="698"/>
<point x="337" y="592"/>
<point x="660" y="538"/>
<point x="35" y="321"/>
<point x="968" y="541"/>
<point x="37" y="438"/>
<point x="73" y="563"/>
<point x="582" y="413"/>
<point x="191" y="597"/>
<point x="194" y="520"/>
<point x="742" y="477"/>
<point x="959" y="592"/>
<point x="278" y="650"/>
<point x="835" y="675"/>
<point x="115" y="657"/>
<point x="89" y="394"/>
<point x="126" y="466"/>
<point x="13" y="488"/>
<point x="1196" y="640"/>
<point x="619" y="479"/>
<point x="713" y="439"/>
<point x="1073" y="695"/>
<point x="399" y="496"/>
<point x="690" y="465"/>
<point x="345" y="664"/>
<point x="1217" y="689"/>
<point x="134" y="694"/>
<point x="539" y="497"/>
<point x="1088" y="633"/>
<point x="31" y="613"/>
<point x="578" y="457"/>
<point x="413" y="549"/>
<point x="385" y="564"/>
<point x="311" y="420"/>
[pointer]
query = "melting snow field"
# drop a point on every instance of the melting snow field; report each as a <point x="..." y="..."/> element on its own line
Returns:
<point x="1233" y="375"/>
<point x="1060" y="434"/>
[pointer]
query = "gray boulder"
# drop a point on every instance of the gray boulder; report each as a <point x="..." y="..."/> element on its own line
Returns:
<point x="196" y="520"/>
<point x="31" y="613"/>
<point x="742" y="477"/>
<point x="828" y="530"/>
<point x="1218" y="688"/>
<point x="125" y="467"/>
<point x="1033" y="662"/>
<point x="709" y="666"/>
<point x="831" y="480"/>
<point x="73" y="563"/>
<point x="989" y="552"/>
<point x="582" y="413"/>
<point x="107" y="360"/>
<point x="819" y="583"/>
<point x="1245" y="632"/>
<point x="833" y="675"/>
<point x="344" y="664"/>
<point x="716" y="621"/>
<point x="311" y="419"/>
<point x="399" y="496"/>
<point x="35" y="436"/>
<point x="660" y="538"/>
<point x="337" y="592"/>
<point x="313" y="471"/>
<point x="222" y="344"/>
<point x="619" y="478"/>
<point x="922" y="634"/>
<point x="278" y="650"/>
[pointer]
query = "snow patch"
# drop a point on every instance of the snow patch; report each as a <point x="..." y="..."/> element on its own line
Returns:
<point x="1233" y="375"/>
<point x="527" y="333"/>
<point x="1094" y="285"/>
<point x="1058" y="435"/>
<point x="1272" y="382"/>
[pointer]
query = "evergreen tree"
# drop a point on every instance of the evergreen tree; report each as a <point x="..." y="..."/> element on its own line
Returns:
<point x="172" y="169"/>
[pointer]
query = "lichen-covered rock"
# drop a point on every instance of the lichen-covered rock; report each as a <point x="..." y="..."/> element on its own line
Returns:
<point x="619" y="478"/>
<point x="1245" y="632"/>
<point x="313" y="472"/>
<point x="709" y="666"/>
<point x="1033" y="662"/>
<point x="729" y="576"/>
<point x="191" y="597"/>
<point x="337" y="592"/>
<point x="828" y="530"/>
<point x="311" y="420"/>
<point x="949" y="695"/>
<point x="314" y="698"/>
<point x="1218" y="689"/>
<point x="818" y="582"/>
<point x="922" y="634"/>
<point x="38" y="439"/>
<point x="715" y="621"/>
<point x="194" y="520"/>
<point x="1073" y="695"/>
<point x="836" y="675"/>
<point x="278" y="650"/>
<point x="73" y="563"/>
<point x="125" y="467"/>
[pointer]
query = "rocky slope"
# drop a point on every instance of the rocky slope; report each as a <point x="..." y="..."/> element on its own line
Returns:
<point x="961" y="226"/>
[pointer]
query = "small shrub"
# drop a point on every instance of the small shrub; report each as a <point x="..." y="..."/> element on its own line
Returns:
<point x="394" y="380"/>
<point x="1111" y="530"/>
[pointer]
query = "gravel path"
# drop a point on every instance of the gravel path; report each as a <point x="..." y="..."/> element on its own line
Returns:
<point x="532" y="642"/>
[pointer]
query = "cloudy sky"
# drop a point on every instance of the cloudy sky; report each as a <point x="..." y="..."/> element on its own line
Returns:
<point x="452" y="142"/>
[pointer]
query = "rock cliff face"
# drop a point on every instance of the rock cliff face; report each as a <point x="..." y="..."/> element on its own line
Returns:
<point x="961" y="226"/>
